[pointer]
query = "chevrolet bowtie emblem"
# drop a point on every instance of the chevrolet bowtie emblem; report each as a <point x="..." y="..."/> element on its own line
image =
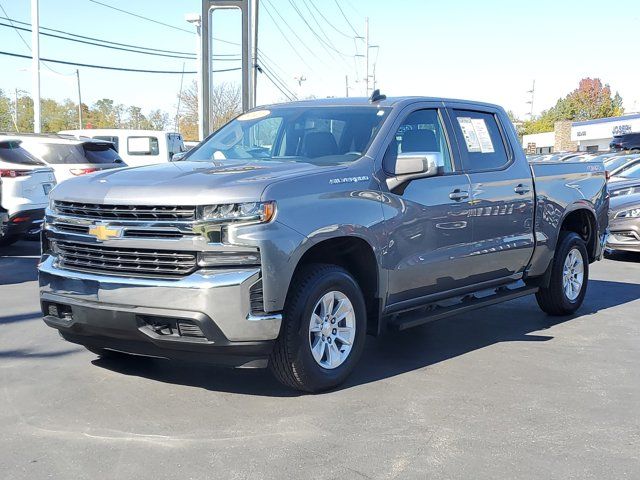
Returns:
<point x="103" y="232"/>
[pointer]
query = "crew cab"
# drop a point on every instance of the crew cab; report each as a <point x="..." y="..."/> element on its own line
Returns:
<point x="296" y="229"/>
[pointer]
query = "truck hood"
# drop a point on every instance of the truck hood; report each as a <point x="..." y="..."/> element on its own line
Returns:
<point x="624" y="202"/>
<point x="182" y="183"/>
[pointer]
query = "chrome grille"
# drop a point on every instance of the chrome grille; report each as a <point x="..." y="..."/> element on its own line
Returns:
<point x="125" y="212"/>
<point x="124" y="261"/>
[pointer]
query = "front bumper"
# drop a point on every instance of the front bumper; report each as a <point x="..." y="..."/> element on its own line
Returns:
<point x="624" y="236"/>
<point x="124" y="314"/>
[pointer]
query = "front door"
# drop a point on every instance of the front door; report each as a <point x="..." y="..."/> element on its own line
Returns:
<point x="429" y="232"/>
<point x="502" y="195"/>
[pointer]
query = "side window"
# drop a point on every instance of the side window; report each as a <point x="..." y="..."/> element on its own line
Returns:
<point x="480" y="140"/>
<point x="420" y="132"/>
<point x="143" y="146"/>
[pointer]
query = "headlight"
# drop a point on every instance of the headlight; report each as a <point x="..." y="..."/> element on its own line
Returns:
<point x="228" y="259"/>
<point x="255" y="212"/>
<point x="633" y="213"/>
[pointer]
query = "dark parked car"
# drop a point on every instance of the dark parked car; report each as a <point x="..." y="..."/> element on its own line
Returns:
<point x="628" y="141"/>
<point x="624" y="223"/>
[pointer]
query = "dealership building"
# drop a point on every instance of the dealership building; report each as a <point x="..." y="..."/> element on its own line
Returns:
<point x="587" y="136"/>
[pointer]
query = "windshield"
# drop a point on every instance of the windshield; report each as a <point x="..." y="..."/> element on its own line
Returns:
<point x="631" y="172"/>
<point x="321" y="135"/>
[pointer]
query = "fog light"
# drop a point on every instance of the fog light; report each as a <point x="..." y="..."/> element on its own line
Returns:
<point x="221" y="259"/>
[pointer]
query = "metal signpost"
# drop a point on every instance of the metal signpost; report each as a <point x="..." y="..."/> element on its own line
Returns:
<point x="249" y="10"/>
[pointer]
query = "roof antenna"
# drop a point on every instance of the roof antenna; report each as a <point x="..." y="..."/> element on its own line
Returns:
<point x="376" y="96"/>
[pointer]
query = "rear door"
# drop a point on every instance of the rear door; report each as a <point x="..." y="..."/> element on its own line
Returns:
<point x="429" y="232"/>
<point x="502" y="193"/>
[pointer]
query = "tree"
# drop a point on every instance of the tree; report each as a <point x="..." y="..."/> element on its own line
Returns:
<point x="6" y="113"/>
<point x="158" y="120"/>
<point x="225" y="105"/>
<point x="590" y="100"/>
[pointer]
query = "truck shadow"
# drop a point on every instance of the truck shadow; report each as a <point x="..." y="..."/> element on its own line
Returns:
<point x="18" y="263"/>
<point x="395" y="353"/>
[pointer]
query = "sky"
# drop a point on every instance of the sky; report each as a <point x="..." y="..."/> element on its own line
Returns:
<point x="490" y="50"/>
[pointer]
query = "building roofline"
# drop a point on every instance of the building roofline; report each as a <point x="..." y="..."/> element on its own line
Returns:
<point x="621" y="118"/>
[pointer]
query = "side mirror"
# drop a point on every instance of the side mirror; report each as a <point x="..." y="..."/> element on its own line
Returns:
<point x="178" y="156"/>
<point x="412" y="165"/>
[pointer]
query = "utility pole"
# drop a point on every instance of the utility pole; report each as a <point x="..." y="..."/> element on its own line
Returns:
<point x="530" y="102"/>
<point x="346" y="81"/>
<point x="196" y="20"/>
<point x="366" y="56"/>
<point x="35" y="60"/>
<point x="80" y="123"/>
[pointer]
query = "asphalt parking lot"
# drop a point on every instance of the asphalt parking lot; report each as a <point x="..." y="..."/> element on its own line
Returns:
<point x="504" y="392"/>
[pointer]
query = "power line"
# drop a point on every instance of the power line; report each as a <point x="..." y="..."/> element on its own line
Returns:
<point x="120" y="69"/>
<point x="170" y="53"/>
<point x="284" y="35"/>
<point x="315" y="34"/>
<point x="23" y="40"/>
<point x="142" y="17"/>
<point x="347" y="20"/>
<point x="263" y="69"/>
<point x="192" y="57"/>
<point x="327" y="20"/>
<point x="265" y="65"/>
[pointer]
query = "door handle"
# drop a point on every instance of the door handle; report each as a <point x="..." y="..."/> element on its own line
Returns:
<point x="521" y="189"/>
<point x="458" y="195"/>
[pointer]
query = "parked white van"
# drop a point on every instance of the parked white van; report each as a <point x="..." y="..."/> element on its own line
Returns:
<point x="137" y="147"/>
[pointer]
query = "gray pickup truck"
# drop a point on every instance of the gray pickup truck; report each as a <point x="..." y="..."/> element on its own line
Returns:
<point x="295" y="230"/>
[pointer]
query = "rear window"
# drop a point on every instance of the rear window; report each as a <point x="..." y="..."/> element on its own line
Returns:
<point x="114" y="140"/>
<point x="12" y="152"/>
<point x="101" y="153"/>
<point x="70" y="154"/>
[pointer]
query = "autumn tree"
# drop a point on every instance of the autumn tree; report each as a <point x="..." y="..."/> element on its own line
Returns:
<point x="590" y="100"/>
<point x="225" y="105"/>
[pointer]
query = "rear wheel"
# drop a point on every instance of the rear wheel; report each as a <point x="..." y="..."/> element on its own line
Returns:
<point x="323" y="331"/>
<point x="569" y="277"/>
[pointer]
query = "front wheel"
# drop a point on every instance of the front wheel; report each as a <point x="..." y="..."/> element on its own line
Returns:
<point x="323" y="330"/>
<point x="569" y="277"/>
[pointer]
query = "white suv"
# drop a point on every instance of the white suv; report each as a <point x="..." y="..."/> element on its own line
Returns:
<point x="70" y="157"/>
<point x="26" y="183"/>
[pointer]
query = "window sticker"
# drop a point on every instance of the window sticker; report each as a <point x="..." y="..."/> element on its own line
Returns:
<point x="476" y="135"/>
<point x="469" y="133"/>
<point x="480" y="126"/>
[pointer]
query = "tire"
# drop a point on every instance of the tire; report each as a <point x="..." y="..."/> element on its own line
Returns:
<point x="8" y="240"/>
<point x="558" y="299"/>
<point x="292" y="361"/>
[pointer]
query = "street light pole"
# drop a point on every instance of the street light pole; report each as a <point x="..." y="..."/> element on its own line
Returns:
<point x="35" y="52"/>
<point x="196" y="20"/>
<point x="80" y="123"/>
